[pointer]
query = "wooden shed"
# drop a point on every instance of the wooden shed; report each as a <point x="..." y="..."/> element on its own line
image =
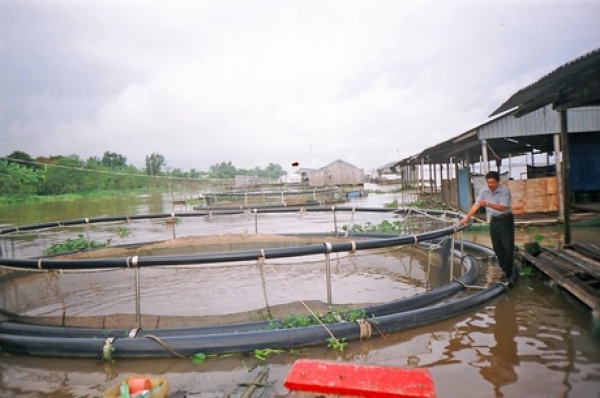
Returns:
<point x="337" y="173"/>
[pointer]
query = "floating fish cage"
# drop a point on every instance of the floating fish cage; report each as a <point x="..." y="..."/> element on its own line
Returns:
<point x="230" y="280"/>
<point x="271" y="196"/>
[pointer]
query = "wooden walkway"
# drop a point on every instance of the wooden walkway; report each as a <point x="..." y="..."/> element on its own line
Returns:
<point x="575" y="267"/>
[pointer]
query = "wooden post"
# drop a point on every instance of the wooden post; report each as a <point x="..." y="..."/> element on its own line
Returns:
<point x="566" y="169"/>
<point x="559" y="178"/>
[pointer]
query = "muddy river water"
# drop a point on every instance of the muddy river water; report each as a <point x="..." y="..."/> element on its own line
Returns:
<point x="535" y="341"/>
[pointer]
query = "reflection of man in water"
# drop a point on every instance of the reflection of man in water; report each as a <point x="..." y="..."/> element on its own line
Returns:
<point x="496" y="200"/>
<point x="504" y="357"/>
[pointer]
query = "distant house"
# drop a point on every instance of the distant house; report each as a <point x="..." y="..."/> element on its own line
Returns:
<point x="303" y="173"/>
<point x="338" y="173"/>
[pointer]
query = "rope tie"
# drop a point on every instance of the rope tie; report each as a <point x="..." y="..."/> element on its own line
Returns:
<point x="353" y="250"/>
<point x="87" y="221"/>
<point x="166" y="347"/>
<point x="261" y="262"/>
<point x="365" y="329"/>
<point x="108" y="348"/>
<point x="302" y="302"/>
<point x="328" y="247"/>
<point x="464" y="285"/>
<point x="415" y="238"/>
<point x="40" y="263"/>
<point x="133" y="332"/>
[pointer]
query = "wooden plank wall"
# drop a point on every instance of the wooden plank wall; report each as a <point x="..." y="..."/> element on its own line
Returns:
<point x="450" y="193"/>
<point x="539" y="195"/>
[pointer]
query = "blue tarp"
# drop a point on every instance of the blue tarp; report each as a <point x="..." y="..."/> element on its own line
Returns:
<point x="585" y="164"/>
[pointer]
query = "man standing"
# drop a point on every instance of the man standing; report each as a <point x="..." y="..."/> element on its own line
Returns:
<point x="496" y="200"/>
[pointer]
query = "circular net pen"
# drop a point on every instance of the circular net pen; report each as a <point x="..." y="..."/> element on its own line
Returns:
<point x="182" y="283"/>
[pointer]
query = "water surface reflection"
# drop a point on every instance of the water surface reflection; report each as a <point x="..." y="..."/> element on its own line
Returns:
<point x="536" y="341"/>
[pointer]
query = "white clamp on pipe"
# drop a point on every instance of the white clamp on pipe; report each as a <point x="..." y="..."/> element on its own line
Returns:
<point x="132" y="261"/>
<point x="328" y="247"/>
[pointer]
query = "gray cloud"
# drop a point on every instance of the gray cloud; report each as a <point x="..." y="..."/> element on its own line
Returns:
<point x="258" y="82"/>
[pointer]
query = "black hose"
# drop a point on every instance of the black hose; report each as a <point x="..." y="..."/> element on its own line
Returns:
<point x="204" y="258"/>
<point x="396" y="306"/>
<point x="188" y="345"/>
<point x="22" y="338"/>
<point x="391" y="317"/>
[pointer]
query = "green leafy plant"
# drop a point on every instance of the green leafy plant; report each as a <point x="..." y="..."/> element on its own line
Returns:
<point x="200" y="357"/>
<point x="391" y="205"/>
<point x="123" y="232"/>
<point x="394" y="227"/>
<point x="72" y="245"/>
<point x="335" y="315"/>
<point x="336" y="344"/>
<point x="415" y="203"/>
<point x="262" y="354"/>
<point x="527" y="272"/>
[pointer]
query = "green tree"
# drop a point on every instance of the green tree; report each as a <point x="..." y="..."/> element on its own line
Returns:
<point x="113" y="160"/>
<point x="65" y="175"/>
<point x="23" y="159"/>
<point x="15" y="178"/>
<point x="223" y="170"/>
<point x="274" y="171"/>
<point x="154" y="164"/>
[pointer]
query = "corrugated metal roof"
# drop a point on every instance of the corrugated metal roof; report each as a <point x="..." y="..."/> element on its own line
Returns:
<point x="533" y="121"/>
<point x="574" y="84"/>
<point x="542" y="121"/>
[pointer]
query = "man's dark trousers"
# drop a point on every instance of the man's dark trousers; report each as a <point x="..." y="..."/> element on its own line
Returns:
<point x="502" y="232"/>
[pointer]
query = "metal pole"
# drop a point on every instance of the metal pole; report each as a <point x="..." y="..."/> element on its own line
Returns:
<point x="328" y="275"/>
<point x="87" y="234"/>
<point x="334" y="221"/>
<point x="138" y="313"/>
<point x="255" y="222"/>
<point x="428" y="270"/>
<point x="452" y="258"/>
<point x="484" y="153"/>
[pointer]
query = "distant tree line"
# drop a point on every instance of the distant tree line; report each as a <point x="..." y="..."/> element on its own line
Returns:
<point x="55" y="175"/>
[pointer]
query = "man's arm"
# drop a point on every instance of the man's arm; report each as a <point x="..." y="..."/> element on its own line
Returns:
<point x="476" y="206"/>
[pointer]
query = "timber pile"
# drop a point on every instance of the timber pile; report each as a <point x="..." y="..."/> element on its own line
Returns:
<point x="575" y="267"/>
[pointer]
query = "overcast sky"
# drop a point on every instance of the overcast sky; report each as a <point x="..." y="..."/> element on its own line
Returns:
<point x="258" y="82"/>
